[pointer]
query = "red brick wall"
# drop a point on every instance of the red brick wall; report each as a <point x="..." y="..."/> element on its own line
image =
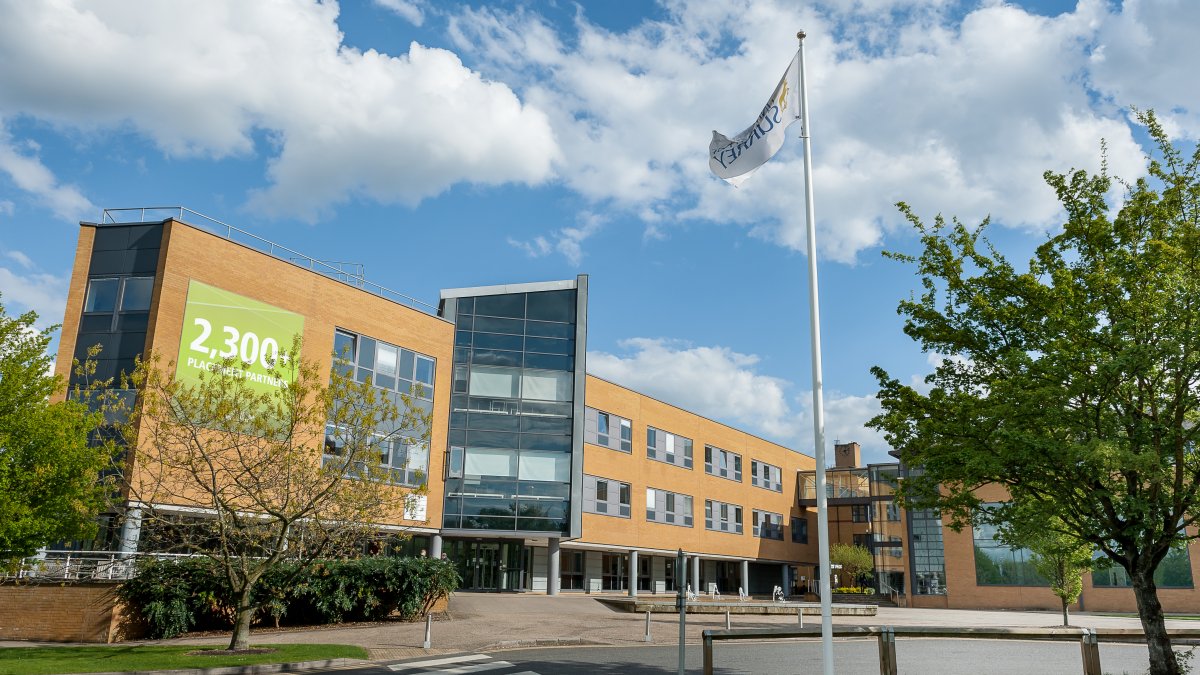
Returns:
<point x="60" y="612"/>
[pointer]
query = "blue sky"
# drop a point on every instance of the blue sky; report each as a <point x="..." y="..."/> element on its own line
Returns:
<point x="450" y="144"/>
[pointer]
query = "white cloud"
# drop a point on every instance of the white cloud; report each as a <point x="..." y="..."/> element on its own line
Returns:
<point x="1147" y="57"/>
<point x="29" y="174"/>
<point x="345" y="122"/>
<point x="952" y="112"/>
<point x="725" y="385"/>
<point x="411" y="12"/>
<point x="28" y="288"/>
<point x="20" y="258"/>
<point x="568" y="241"/>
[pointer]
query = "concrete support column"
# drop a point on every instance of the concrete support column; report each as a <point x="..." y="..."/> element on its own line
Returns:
<point x="746" y="576"/>
<point x="131" y="531"/>
<point x="785" y="584"/>
<point x="633" y="573"/>
<point x="435" y="546"/>
<point x="553" y="577"/>
<point x="696" y="575"/>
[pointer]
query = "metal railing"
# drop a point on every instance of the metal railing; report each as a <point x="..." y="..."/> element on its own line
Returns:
<point x="347" y="273"/>
<point x="81" y="566"/>
<point x="1089" y="639"/>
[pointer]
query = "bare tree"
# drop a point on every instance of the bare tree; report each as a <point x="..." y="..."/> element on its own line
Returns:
<point x="251" y="478"/>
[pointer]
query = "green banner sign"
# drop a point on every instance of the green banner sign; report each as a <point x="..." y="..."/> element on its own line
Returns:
<point x="218" y="324"/>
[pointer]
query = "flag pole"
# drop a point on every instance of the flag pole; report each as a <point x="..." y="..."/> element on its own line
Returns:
<point x="814" y="313"/>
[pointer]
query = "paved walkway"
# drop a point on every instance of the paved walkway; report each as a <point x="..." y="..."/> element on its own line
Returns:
<point x="482" y="622"/>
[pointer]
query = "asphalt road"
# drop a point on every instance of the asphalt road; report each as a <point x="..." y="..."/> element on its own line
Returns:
<point x="853" y="657"/>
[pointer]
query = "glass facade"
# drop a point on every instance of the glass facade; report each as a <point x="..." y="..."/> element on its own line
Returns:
<point x="1175" y="571"/>
<point x="512" y="412"/>
<point x="928" y="552"/>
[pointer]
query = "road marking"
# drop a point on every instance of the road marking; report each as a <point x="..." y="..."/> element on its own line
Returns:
<point x="414" y="665"/>
<point x="477" y="668"/>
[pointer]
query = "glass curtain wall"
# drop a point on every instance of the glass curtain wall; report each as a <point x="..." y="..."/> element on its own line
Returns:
<point x="512" y="413"/>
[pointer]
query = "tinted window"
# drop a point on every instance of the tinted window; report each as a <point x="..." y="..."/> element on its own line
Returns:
<point x="552" y="305"/>
<point x="136" y="296"/>
<point x="512" y="306"/>
<point x="102" y="295"/>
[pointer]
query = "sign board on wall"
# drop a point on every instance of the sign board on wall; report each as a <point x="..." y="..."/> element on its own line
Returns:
<point x="218" y="324"/>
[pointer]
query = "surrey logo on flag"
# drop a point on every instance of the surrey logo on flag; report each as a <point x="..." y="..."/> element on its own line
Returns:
<point x="734" y="159"/>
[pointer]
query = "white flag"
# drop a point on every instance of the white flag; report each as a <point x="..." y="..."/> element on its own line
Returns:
<point x="734" y="159"/>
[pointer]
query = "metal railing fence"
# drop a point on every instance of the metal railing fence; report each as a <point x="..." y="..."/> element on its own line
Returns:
<point x="81" y="565"/>
<point x="1089" y="639"/>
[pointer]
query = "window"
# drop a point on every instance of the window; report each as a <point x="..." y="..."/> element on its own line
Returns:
<point x="608" y="430"/>
<point x="928" y="553"/>
<point x="997" y="564"/>
<point x="722" y="517"/>
<point x="571" y="575"/>
<point x="390" y="367"/>
<point x="606" y="497"/>
<point x="718" y="462"/>
<point x="860" y="513"/>
<point x="1175" y="571"/>
<point x="135" y="294"/>
<point x="768" y="525"/>
<point x="626" y="436"/>
<point x="799" y="530"/>
<point x="766" y="476"/>
<point x="614" y="571"/>
<point x="663" y="446"/>
<point x="101" y="295"/>
<point x="668" y="507"/>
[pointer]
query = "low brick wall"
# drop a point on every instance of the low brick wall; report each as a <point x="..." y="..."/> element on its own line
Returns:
<point x="61" y="612"/>
<point x="75" y="612"/>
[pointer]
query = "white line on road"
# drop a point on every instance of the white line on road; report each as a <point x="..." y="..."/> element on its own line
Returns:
<point x="477" y="668"/>
<point x="439" y="662"/>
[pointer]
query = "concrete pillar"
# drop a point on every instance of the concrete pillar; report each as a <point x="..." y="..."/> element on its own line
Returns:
<point x="131" y="531"/>
<point x="633" y="573"/>
<point x="553" y="578"/>
<point x="696" y="575"/>
<point x="785" y="584"/>
<point x="746" y="576"/>
<point x="435" y="547"/>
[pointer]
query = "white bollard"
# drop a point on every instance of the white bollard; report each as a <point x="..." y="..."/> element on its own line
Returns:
<point x="428" y="631"/>
<point x="647" y="638"/>
<point x="728" y="625"/>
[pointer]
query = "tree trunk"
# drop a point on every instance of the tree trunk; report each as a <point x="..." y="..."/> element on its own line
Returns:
<point x="241" y="624"/>
<point x="1162" y="658"/>
<point x="1066" y="621"/>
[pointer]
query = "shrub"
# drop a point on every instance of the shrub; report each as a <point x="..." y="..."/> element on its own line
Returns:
<point x="175" y="596"/>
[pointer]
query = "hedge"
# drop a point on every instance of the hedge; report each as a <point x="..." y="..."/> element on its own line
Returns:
<point x="175" y="596"/>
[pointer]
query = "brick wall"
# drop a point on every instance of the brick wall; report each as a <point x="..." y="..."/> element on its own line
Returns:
<point x="61" y="612"/>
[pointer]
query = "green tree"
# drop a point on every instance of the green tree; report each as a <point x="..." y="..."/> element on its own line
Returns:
<point x="49" y="473"/>
<point x="1072" y="383"/>
<point x="1059" y="557"/>
<point x="291" y="475"/>
<point x="856" y="562"/>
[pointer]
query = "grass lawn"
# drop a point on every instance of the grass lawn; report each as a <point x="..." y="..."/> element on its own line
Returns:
<point x="50" y="660"/>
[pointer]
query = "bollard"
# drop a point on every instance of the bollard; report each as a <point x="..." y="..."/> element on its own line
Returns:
<point x="800" y="616"/>
<point x="647" y="638"/>
<point x="428" y="631"/>
<point x="887" y="651"/>
<point x="1091" y="652"/>
<point x="728" y="626"/>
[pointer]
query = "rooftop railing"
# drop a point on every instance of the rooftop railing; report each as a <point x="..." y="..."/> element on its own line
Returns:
<point x="347" y="273"/>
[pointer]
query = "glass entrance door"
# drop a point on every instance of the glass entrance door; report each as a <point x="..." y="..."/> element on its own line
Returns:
<point x="490" y="565"/>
